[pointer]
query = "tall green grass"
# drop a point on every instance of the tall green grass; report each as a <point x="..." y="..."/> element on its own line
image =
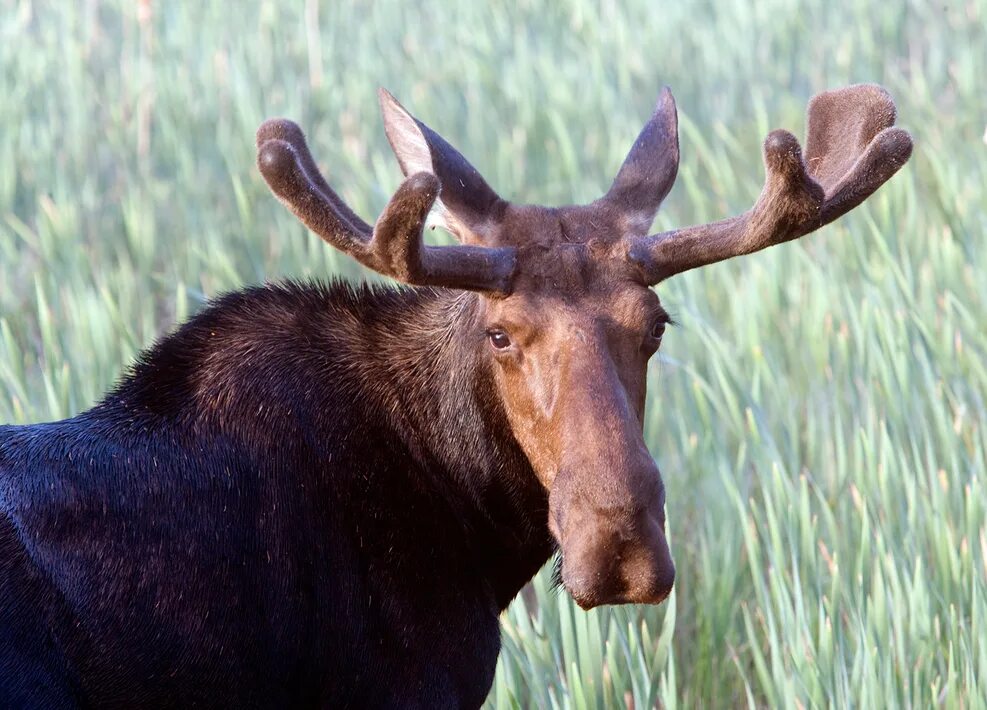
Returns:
<point x="819" y="415"/>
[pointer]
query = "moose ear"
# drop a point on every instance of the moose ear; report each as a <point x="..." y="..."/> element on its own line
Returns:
<point x="649" y="169"/>
<point x="467" y="206"/>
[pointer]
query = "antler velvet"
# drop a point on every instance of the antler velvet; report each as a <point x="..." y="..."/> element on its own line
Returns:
<point x="393" y="246"/>
<point x="852" y="149"/>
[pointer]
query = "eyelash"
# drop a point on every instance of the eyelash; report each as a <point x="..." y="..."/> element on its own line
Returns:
<point x="659" y="327"/>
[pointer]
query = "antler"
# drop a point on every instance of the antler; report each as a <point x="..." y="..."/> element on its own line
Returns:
<point x="851" y="150"/>
<point x="393" y="246"/>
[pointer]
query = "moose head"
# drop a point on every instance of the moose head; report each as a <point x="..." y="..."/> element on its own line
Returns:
<point x="565" y="318"/>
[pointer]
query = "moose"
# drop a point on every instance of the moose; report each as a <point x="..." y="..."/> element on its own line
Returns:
<point x="316" y="495"/>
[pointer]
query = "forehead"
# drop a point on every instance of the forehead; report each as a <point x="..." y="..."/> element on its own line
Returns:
<point x="570" y="259"/>
<point x="572" y="270"/>
<point x="590" y="279"/>
<point x="567" y="250"/>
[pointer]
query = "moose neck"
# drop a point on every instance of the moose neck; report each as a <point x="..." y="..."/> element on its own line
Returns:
<point x="411" y="365"/>
<point x="425" y="359"/>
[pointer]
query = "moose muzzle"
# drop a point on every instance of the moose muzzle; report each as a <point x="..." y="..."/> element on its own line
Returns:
<point x="612" y="536"/>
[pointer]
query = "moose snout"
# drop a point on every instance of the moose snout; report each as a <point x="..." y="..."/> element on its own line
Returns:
<point x="606" y="569"/>
<point x="615" y="554"/>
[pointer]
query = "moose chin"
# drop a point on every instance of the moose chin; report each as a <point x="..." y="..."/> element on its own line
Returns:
<point x="317" y="495"/>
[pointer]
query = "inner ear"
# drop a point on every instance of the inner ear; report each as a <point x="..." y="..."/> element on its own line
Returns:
<point x="649" y="169"/>
<point x="467" y="206"/>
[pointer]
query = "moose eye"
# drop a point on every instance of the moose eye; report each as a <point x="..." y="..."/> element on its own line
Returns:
<point x="658" y="328"/>
<point x="499" y="339"/>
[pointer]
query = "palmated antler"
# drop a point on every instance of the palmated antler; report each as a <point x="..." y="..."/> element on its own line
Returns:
<point x="393" y="246"/>
<point x="851" y="150"/>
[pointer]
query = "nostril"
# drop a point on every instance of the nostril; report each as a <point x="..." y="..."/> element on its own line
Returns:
<point x="585" y="591"/>
<point x="664" y="582"/>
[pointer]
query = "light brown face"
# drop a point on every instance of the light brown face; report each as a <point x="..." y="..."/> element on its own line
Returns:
<point x="569" y="349"/>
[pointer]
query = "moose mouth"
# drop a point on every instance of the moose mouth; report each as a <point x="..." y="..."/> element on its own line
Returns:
<point x="644" y="576"/>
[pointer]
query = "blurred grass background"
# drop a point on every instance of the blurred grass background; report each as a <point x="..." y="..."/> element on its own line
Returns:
<point x="819" y="415"/>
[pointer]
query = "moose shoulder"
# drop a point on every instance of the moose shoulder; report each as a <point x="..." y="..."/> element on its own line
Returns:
<point x="325" y="495"/>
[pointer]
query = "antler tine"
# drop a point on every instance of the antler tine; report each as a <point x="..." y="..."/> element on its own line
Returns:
<point x="393" y="246"/>
<point x="852" y="150"/>
<point x="289" y="132"/>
